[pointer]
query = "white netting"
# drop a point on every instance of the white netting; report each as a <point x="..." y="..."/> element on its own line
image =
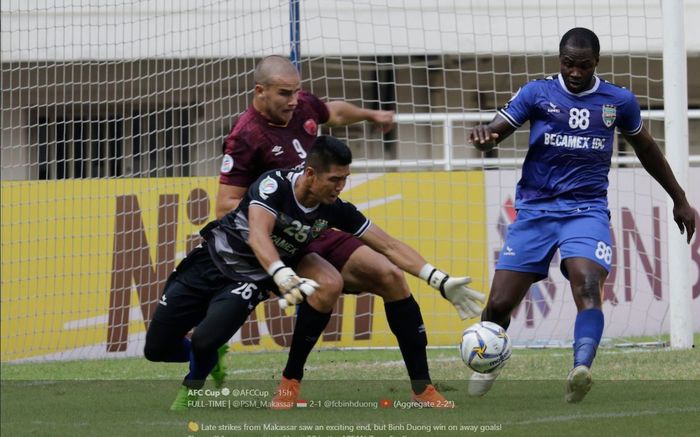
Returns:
<point x="113" y="115"/>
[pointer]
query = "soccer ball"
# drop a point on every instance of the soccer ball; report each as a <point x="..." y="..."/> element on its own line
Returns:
<point x="485" y="347"/>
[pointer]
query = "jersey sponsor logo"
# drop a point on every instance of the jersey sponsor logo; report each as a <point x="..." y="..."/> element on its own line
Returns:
<point x="508" y="252"/>
<point x="284" y="245"/>
<point x="318" y="227"/>
<point x="277" y="150"/>
<point x="568" y="141"/>
<point x="553" y="108"/>
<point x="310" y="126"/>
<point x="609" y="115"/>
<point x="227" y="164"/>
<point x="267" y="187"/>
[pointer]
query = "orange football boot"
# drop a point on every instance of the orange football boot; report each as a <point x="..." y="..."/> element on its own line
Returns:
<point x="286" y="395"/>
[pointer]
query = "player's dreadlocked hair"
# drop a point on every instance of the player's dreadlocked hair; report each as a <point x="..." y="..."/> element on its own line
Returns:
<point x="326" y="151"/>
<point x="582" y="38"/>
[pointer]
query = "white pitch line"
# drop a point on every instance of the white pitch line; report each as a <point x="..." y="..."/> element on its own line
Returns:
<point x="392" y="363"/>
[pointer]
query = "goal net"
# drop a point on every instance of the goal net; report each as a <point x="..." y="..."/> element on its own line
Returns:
<point x="113" y="114"/>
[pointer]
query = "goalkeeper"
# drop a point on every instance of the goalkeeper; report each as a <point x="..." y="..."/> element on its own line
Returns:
<point x="255" y="249"/>
<point x="277" y="131"/>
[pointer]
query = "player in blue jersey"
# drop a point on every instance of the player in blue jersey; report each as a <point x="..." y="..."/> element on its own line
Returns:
<point x="256" y="248"/>
<point x="561" y="197"/>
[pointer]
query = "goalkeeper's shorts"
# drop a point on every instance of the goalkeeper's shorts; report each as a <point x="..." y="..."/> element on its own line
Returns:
<point x="197" y="284"/>
<point x="535" y="236"/>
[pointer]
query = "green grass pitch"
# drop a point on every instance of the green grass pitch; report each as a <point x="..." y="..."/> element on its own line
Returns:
<point x="636" y="392"/>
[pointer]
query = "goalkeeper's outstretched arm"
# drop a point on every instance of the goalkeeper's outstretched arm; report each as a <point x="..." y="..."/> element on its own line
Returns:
<point x="467" y="301"/>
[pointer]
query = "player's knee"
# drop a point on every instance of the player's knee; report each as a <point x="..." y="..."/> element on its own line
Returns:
<point x="155" y="352"/>
<point x="498" y="309"/>
<point x="330" y="287"/>
<point x="389" y="282"/>
<point x="157" y="345"/>
<point x="588" y="291"/>
<point x="204" y="343"/>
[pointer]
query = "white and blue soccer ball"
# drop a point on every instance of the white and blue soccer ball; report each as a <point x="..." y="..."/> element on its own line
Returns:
<point x="485" y="347"/>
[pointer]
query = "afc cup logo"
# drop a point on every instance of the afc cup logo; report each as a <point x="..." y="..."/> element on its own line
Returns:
<point x="227" y="164"/>
<point x="310" y="126"/>
<point x="267" y="187"/>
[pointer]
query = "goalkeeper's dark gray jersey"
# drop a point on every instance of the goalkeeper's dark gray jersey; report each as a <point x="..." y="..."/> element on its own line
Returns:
<point x="295" y="225"/>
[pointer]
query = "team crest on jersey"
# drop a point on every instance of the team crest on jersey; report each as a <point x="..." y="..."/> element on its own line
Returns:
<point x="227" y="164"/>
<point x="318" y="227"/>
<point x="267" y="187"/>
<point x="609" y="114"/>
<point x="310" y="126"/>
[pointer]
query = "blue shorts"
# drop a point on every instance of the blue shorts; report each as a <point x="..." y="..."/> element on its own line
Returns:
<point x="535" y="236"/>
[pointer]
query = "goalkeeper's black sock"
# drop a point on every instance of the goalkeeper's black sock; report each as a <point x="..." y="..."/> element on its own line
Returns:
<point x="406" y="323"/>
<point x="309" y="327"/>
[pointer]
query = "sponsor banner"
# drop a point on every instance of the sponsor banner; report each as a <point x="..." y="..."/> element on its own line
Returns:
<point x="84" y="261"/>
<point x="636" y="294"/>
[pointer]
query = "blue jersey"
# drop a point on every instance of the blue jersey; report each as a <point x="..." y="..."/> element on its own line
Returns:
<point x="571" y="141"/>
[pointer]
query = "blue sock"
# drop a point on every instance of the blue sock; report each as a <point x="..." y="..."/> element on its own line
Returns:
<point x="183" y="355"/>
<point x="587" y="333"/>
<point x="200" y="367"/>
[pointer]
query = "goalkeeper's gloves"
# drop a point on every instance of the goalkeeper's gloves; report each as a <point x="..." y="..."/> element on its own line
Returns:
<point x="466" y="300"/>
<point x="293" y="288"/>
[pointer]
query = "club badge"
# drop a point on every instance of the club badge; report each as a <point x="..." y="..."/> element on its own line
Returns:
<point x="318" y="227"/>
<point x="609" y="115"/>
<point x="310" y="126"/>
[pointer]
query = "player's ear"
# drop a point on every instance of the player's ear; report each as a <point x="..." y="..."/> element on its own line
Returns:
<point x="259" y="89"/>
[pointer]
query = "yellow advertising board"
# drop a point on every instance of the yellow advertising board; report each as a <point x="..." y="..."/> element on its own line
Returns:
<point x="84" y="261"/>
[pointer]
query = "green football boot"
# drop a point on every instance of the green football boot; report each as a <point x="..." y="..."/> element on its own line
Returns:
<point x="183" y="400"/>
<point x="218" y="373"/>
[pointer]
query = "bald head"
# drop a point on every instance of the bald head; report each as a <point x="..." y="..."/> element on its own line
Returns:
<point x="277" y="87"/>
<point x="272" y="68"/>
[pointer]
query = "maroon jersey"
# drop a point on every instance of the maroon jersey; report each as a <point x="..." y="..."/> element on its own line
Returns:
<point x="255" y="145"/>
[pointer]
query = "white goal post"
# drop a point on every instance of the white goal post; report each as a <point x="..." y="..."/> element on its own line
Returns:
<point x="113" y="112"/>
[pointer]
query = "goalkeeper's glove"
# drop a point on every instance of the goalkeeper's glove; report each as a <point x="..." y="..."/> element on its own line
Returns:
<point x="293" y="288"/>
<point x="466" y="300"/>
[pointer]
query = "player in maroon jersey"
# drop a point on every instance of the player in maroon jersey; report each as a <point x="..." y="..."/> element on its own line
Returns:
<point x="277" y="131"/>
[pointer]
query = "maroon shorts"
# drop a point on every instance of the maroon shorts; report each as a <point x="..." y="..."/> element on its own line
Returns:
<point x="334" y="246"/>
